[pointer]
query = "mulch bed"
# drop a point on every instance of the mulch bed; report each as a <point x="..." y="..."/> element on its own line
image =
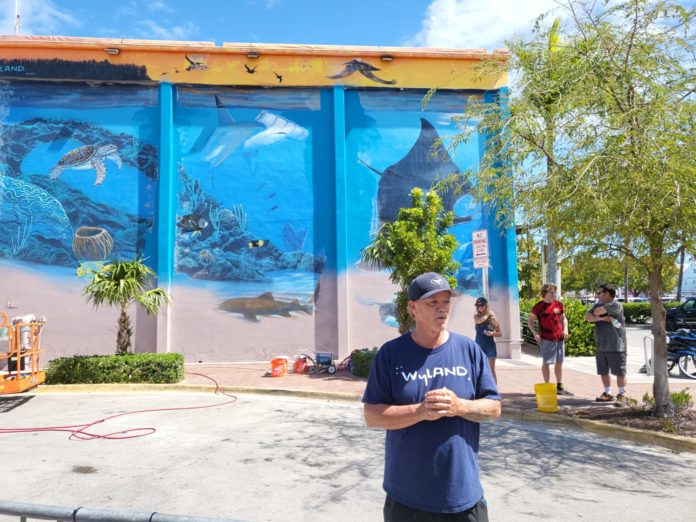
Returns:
<point x="638" y="417"/>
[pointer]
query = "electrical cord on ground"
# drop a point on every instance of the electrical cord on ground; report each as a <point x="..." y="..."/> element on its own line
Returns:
<point x="80" y="431"/>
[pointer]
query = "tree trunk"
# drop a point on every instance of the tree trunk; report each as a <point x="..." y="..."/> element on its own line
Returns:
<point x="123" y="338"/>
<point x="403" y="316"/>
<point x="663" y="399"/>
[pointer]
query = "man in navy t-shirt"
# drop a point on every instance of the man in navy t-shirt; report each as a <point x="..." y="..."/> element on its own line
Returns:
<point x="430" y="389"/>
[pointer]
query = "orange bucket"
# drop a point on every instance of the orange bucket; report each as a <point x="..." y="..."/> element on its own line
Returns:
<point x="279" y="366"/>
<point x="300" y="365"/>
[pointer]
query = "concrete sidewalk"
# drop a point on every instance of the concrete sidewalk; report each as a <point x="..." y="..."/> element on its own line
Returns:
<point x="516" y="378"/>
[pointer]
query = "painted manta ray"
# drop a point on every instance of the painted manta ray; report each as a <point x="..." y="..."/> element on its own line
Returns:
<point x="426" y="163"/>
<point x="363" y="68"/>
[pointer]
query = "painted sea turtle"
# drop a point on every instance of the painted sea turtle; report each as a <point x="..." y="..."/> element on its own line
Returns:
<point x="87" y="157"/>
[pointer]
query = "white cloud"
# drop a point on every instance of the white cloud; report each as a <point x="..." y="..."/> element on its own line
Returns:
<point x="152" y="30"/>
<point x="476" y="24"/>
<point x="158" y="5"/>
<point x="40" y="17"/>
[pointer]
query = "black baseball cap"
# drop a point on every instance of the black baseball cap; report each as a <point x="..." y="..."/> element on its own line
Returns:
<point x="428" y="284"/>
<point x="481" y="301"/>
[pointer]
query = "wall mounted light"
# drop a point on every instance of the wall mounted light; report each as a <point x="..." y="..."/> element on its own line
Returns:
<point x="112" y="50"/>
<point x="252" y="54"/>
<point x="386" y="57"/>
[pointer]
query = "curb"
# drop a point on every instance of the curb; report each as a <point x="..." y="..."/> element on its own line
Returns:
<point x="196" y="388"/>
<point x="672" y="442"/>
<point x="665" y="440"/>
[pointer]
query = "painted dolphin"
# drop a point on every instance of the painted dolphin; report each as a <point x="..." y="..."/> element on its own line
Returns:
<point x="363" y="68"/>
<point x="264" y="304"/>
<point x="218" y="143"/>
<point x="426" y="163"/>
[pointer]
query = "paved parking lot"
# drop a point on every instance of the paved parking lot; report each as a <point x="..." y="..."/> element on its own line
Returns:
<point x="276" y="458"/>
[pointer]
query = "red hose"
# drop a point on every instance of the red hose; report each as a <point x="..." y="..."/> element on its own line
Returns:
<point x="79" y="431"/>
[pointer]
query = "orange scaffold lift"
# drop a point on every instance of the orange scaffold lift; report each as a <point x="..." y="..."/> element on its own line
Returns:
<point x="24" y="340"/>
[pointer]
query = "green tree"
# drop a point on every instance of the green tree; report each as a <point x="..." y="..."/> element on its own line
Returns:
<point x="584" y="272"/>
<point x="639" y="281"/>
<point x="622" y="153"/>
<point x="528" y="267"/>
<point x="121" y="283"/>
<point x="417" y="241"/>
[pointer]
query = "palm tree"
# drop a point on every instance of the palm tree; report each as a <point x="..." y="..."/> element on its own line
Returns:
<point x="121" y="283"/>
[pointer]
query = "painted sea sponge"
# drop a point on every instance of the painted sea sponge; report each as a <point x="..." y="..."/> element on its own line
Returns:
<point x="92" y="243"/>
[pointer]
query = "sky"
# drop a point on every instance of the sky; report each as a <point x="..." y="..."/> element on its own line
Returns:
<point x="412" y="23"/>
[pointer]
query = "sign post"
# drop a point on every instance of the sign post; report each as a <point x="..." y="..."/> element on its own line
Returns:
<point x="479" y="241"/>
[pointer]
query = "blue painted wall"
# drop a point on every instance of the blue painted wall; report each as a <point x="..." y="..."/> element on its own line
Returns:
<point x="254" y="204"/>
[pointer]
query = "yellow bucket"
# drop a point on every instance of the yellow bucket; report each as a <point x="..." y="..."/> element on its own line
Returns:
<point x="546" y="399"/>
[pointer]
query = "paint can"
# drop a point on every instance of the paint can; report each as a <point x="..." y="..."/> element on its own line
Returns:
<point x="300" y="365"/>
<point x="279" y="366"/>
<point x="546" y="399"/>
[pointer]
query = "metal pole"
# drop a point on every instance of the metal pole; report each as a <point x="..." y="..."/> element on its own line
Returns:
<point x="625" y="283"/>
<point x="484" y="272"/>
<point x="18" y="23"/>
<point x="543" y="264"/>
<point x="681" y="273"/>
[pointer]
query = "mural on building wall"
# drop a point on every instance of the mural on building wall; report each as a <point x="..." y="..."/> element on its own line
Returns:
<point x="78" y="179"/>
<point x="394" y="146"/>
<point x="246" y="235"/>
<point x="265" y="261"/>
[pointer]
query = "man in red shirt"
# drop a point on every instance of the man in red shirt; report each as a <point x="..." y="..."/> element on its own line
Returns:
<point x="553" y="331"/>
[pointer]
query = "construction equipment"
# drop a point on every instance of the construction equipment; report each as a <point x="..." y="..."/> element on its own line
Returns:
<point x="24" y="348"/>
<point x="320" y="363"/>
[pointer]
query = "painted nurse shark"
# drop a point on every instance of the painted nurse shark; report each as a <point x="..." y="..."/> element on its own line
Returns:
<point x="265" y="304"/>
<point x="423" y="166"/>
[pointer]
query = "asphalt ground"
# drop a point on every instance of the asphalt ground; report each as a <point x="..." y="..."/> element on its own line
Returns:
<point x="301" y="451"/>
<point x="284" y="458"/>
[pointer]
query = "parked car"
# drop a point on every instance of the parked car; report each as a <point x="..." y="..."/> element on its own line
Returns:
<point x="682" y="316"/>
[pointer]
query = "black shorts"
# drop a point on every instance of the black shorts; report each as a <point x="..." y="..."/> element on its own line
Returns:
<point x="611" y="361"/>
<point x="395" y="512"/>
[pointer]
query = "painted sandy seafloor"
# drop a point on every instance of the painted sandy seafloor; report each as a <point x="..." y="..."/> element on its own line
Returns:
<point x="256" y="272"/>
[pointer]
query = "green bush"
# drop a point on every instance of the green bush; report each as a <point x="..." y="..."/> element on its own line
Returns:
<point x="681" y="399"/>
<point x="98" y="369"/>
<point x="636" y="313"/>
<point x="361" y="361"/>
<point x="580" y="332"/>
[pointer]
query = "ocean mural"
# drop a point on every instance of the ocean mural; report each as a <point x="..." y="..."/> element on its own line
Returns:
<point x="57" y="145"/>
<point x="396" y="146"/>
<point x="250" y="182"/>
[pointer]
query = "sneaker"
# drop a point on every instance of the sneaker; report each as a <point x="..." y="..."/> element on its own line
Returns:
<point x="605" y="397"/>
<point x="560" y="390"/>
<point x="620" y="397"/>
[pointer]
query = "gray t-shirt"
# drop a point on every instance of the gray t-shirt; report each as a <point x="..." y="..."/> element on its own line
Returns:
<point x="609" y="338"/>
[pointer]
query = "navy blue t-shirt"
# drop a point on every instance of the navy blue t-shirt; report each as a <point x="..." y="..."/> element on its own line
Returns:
<point x="432" y="465"/>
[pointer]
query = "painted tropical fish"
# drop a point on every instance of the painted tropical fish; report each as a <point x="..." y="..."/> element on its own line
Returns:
<point x="88" y="157"/>
<point x="256" y="243"/>
<point x="192" y="223"/>
<point x="264" y="304"/>
<point x="426" y="163"/>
